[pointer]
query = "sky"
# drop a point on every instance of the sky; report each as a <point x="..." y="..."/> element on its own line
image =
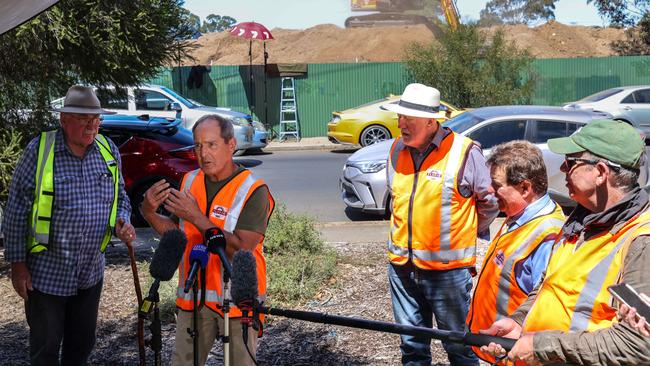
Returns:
<point x="301" y="14"/>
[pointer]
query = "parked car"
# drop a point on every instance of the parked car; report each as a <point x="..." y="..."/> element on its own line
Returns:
<point x="260" y="135"/>
<point x="368" y="124"/>
<point x="363" y="181"/>
<point x="152" y="148"/>
<point x="157" y="101"/>
<point x="627" y="103"/>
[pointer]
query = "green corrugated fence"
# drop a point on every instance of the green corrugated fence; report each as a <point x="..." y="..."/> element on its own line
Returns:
<point x="334" y="87"/>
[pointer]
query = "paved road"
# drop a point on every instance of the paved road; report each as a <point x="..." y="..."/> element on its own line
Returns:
<point x="306" y="181"/>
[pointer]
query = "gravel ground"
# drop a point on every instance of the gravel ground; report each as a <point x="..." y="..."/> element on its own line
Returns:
<point x="360" y="289"/>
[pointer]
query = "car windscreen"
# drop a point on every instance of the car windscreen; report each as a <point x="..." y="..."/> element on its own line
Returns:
<point x="601" y="95"/>
<point x="384" y="100"/>
<point x="180" y="98"/>
<point x="462" y="122"/>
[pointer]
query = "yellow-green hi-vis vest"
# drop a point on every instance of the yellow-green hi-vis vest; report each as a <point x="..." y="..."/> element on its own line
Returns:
<point x="38" y="238"/>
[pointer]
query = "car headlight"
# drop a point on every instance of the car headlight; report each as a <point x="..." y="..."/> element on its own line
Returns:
<point x="369" y="166"/>
<point x="258" y="126"/>
<point x="239" y="121"/>
<point x="335" y="119"/>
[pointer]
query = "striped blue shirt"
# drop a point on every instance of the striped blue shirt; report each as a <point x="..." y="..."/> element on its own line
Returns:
<point x="82" y="205"/>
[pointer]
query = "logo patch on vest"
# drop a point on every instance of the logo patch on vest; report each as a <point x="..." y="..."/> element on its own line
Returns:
<point x="500" y="259"/>
<point x="219" y="212"/>
<point x="433" y="174"/>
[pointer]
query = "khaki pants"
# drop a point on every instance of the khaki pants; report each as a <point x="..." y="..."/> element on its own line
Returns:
<point x="210" y="323"/>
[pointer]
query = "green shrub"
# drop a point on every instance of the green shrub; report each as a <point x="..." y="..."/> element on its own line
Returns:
<point x="288" y="232"/>
<point x="10" y="152"/>
<point x="298" y="261"/>
<point x="295" y="277"/>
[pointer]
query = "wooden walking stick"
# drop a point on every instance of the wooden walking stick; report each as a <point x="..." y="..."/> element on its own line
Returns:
<point x="138" y="294"/>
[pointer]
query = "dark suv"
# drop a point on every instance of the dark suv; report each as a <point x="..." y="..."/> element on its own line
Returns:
<point x="152" y="148"/>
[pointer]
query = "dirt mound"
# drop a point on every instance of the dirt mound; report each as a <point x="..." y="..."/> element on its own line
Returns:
<point x="557" y="40"/>
<point x="328" y="43"/>
<point x="325" y="43"/>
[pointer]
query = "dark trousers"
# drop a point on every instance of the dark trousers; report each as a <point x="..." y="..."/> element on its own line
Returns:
<point x="56" y="319"/>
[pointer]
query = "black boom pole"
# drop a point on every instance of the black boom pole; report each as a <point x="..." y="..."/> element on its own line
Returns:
<point x="471" y="339"/>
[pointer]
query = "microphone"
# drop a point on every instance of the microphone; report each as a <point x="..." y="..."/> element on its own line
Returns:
<point x="164" y="263"/>
<point x="198" y="260"/>
<point x="215" y="239"/>
<point x="244" y="287"/>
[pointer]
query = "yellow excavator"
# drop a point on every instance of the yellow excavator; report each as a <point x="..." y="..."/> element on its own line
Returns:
<point x="403" y="12"/>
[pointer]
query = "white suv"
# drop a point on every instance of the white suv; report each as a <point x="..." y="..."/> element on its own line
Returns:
<point x="157" y="101"/>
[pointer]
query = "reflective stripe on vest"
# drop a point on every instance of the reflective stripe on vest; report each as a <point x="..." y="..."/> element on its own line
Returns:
<point x="428" y="209"/>
<point x="111" y="163"/>
<point x="497" y="293"/>
<point x="223" y="211"/>
<point x="41" y="217"/>
<point x="574" y="296"/>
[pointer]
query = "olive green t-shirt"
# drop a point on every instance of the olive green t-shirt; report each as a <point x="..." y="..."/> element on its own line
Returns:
<point x="254" y="214"/>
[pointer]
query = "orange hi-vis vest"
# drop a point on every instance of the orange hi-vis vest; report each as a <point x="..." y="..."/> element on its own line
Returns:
<point x="574" y="296"/>
<point x="497" y="293"/>
<point x="432" y="224"/>
<point x="223" y="211"/>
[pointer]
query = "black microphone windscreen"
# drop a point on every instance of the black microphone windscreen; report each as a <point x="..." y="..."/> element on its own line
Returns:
<point x="169" y="253"/>
<point x="244" y="277"/>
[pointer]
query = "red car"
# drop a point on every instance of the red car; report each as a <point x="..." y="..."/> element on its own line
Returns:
<point x="152" y="148"/>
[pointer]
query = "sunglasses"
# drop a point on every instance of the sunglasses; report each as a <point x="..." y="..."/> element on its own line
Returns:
<point x="571" y="161"/>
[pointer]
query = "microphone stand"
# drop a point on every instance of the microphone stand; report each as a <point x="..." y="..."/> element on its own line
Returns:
<point x="148" y="304"/>
<point x="226" y="316"/>
<point x="194" y="332"/>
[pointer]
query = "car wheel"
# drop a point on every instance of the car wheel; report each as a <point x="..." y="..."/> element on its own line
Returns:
<point x="374" y="134"/>
<point x="136" y="200"/>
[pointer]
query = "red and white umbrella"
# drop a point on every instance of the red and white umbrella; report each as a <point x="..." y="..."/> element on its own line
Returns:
<point x="251" y="31"/>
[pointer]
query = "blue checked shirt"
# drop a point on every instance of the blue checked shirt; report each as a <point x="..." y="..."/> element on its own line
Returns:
<point x="82" y="206"/>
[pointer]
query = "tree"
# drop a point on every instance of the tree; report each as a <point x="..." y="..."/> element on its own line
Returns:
<point x="517" y="11"/>
<point x="471" y="70"/>
<point x="217" y="23"/>
<point x="622" y="12"/>
<point x="84" y="41"/>
<point x="625" y="13"/>
<point x="637" y="40"/>
<point x="193" y="21"/>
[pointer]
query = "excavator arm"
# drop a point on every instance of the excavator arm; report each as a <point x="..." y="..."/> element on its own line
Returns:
<point x="400" y="12"/>
<point x="451" y="13"/>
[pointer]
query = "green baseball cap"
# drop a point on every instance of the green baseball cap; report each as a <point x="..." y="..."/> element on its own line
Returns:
<point x="615" y="141"/>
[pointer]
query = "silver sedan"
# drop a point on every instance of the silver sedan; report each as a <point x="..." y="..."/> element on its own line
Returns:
<point x="626" y="103"/>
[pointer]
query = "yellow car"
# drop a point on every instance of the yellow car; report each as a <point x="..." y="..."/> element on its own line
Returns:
<point x="368" y="124"/>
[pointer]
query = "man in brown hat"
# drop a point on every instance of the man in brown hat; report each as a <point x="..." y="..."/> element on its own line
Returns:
<point x="66" y="200"/>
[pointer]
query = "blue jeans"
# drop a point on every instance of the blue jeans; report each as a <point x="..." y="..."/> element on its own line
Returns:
<point x="417" y="296"/>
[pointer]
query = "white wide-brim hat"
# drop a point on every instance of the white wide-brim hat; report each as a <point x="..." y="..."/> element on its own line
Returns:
<point x="418" y="100"/>
<point x="81" y="100"/>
